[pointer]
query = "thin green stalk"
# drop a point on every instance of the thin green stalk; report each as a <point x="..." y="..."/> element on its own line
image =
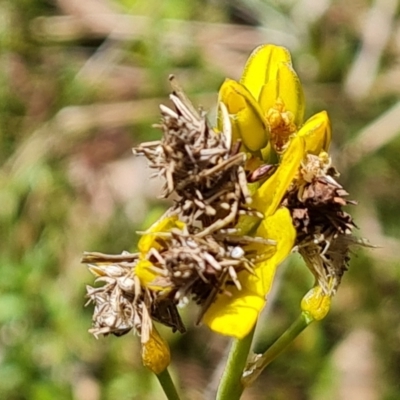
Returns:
<point x="168" y="385"/>
<point x="254" y="369"/>
<point x="230" y="387"/>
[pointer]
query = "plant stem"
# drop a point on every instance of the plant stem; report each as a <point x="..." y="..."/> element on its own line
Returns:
<point x="168" y="385"/>
<point x="230" y="387"/>
<point x="253" y="370"/>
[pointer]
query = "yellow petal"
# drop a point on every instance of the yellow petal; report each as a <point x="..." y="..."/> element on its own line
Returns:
<point x="262" y="67"/>
<point x="269" y="195"/>
<point x="155" y="353"/>
<point x="151" y="240"/>
<point x="316" y="304"/>
<point x="287" y="87"/>
<point x="317" y="133"/>
<point x="147" y="276"/>
<point x="236" y="315"/>
<point x="248" y="123"/>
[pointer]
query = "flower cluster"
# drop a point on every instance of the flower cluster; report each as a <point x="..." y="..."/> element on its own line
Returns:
<point x="247" y="193"/>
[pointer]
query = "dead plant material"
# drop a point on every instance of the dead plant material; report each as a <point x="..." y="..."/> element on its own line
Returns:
<point x="324" y="229"/>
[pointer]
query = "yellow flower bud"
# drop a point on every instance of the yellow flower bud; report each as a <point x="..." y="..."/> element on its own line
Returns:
<point x="248" y="123"/>
<point x="155" y="353"/>
<point x="316" y="304"/>
<point x="262" y="67"/>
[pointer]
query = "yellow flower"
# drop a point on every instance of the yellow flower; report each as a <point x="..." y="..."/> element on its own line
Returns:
<point x="316" y="304"/>
<point x="267" y="106"/>
<point x="153" y="241"/>
<point x="266" y="109"/>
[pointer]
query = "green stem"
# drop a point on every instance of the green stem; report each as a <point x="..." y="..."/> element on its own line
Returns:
<point x="168" y="386"/>
<point x="230" y="387"/>
<point x="254" y="369"/>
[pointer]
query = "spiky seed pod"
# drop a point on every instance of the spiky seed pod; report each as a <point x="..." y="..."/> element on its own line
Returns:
<point x="324" y="229"/>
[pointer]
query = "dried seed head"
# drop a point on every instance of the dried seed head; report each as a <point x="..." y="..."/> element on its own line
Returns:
<point x="120" y="302"/>
<point x="201" y="256"/>
<point x="190" y="266"/>
<point x="324" y="230"/>
<point x="200" y="260"/>
<point x="199" y="165"/>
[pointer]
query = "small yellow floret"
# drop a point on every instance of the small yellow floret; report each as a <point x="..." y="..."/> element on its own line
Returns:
<point x="155" y="353"/>
<point x="316" y="304"/>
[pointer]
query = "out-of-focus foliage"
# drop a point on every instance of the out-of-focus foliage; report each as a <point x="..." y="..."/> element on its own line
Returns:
<point x="80" y="84"/>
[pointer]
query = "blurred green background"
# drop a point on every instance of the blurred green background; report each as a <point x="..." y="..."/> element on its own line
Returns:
<point x="80" y="84"/>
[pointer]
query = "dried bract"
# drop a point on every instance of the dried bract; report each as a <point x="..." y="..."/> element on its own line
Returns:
<point x="120" y="302"/>
<point x="324" y="230"/>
